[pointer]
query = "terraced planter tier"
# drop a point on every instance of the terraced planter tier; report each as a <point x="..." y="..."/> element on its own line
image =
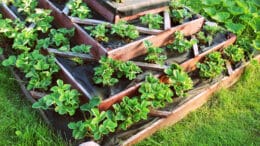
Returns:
<point x="123" y="51"/>
<point x="128" y="10"/>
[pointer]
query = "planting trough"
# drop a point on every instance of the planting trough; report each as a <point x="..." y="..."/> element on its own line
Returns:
<point x="127" y="51"/>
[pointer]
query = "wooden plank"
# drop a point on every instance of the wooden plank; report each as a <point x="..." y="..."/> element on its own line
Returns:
<point x="159" y="113"/>
<point x="229" y="67"/>
<point x="132" y="50"/>
<point x="7" y="11"/>
<point x="102" y="10"/>
<point x="153" y="11"/>
<point x="195" y="47"/>
<point x="191" y="105"/>
<point x="167" y="20"/>
<point x="86" y="57"/>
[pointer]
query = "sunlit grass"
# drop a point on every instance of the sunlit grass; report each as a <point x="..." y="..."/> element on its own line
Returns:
<point x="19" y="123"/>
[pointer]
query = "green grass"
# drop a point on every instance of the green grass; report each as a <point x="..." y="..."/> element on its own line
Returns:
<point x="19" y="123"/>
<point x="231" y="117"/>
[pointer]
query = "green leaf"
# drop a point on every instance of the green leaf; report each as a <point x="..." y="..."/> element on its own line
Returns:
<point x="234" y="10"/>
<point x="210" y="11"/>
<point x="256" y="43"/>
<point x="221" y="16"/>
<point x="10" y="61"/>
<point x="236" y="28"/>
<point x="1" y="51"/>
<point x="93" y="103"/>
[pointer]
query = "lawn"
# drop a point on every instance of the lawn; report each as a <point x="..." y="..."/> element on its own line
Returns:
<point x="20" y="124"/>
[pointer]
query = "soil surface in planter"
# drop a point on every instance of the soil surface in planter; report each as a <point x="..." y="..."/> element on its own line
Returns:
<point x="115" y="41"/>
<point x="217" y="39"/>
<point x="84" y="75"/>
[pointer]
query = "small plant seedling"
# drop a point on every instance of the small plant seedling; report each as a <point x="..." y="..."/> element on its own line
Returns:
<point x="110" y="70"/>
<point x="212" y="66"/>
<point x="78" y="8"/>
<point x="179" y="79"/>
<point x="155" y="54"/>
<point x="153" y="21"/>
<point x="181" y="44"/>
<point x="64" y="99"/>
<point x="81" y="49"/>
<point x="234" y="53"/>
<point x="157" y="93"/>
<point x="125" y="30"/>
<point x="99" y="32"/>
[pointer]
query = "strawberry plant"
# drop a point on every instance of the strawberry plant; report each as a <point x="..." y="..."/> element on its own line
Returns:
<point x="37" y="67"/>
<point x="203" y="38"/>
<point x="79" y="9"/>
<point x="97" y="124"/>
<point x="25" y="6"/>
<point x="153" y="21"/>
<point x="81" y="49"/>
<point x="154" y="54"/>
<point x="125" y="30"/>
<point x="25" y="39"/>
<point x="234" y="53"/>
<point x="99" y="32"/>
<point x="110" y="70"/>
<point x="155" y="92"/>
<point x="60" y="38"/>
<point x="178" y="79"/>
<point x="181" y="44"/>
<point x="130" y="111"/>
<point x="178" y="12"/>
<point x="42" y="19"/>
<point x="212" y="66"/>
<point x="64" y="99"/>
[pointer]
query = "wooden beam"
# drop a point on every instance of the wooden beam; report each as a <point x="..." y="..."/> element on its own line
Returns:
<point x="167" y="20"/>
<point x="86" y="57"/>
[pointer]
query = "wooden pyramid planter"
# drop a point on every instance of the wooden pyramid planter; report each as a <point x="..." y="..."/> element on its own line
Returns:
<point x="125" y="51"/>
<point x="80" y="76"/>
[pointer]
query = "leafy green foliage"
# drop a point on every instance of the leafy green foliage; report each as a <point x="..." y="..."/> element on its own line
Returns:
<point x="178" y="79"/>
<point x="240" y="17"/>
<point x="125" y="30"/>
<point x="155" y="92"/>
<point x="97" y="125"/>
<point x="25" y="6"/>
<point x="130" y="111"/>
<point x="42" y="19"/>
<point x="11" y="60"/>
<point x="99" y="32"/>
<point x="154" y="21"/>
<point x="110" y="70"/>
<point x="60" y="37"/>
<point x="180" y="43"/>
<point x="25" y="39"/>
<point x="81" y="49"/>
<point x="234" y="53"/>
<point x="178" y="12"/>
<point x="78" y="8"/>
<point x="155" y="54"/>
<point x="65" y="100"/>
<point x="212" y="66"/>
<point x="203" y="38"/>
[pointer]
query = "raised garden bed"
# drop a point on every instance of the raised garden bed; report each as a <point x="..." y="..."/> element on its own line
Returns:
<point x="127" y="10"/>
<point x="123" y="51"/>
<point x="89" y="76"/>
